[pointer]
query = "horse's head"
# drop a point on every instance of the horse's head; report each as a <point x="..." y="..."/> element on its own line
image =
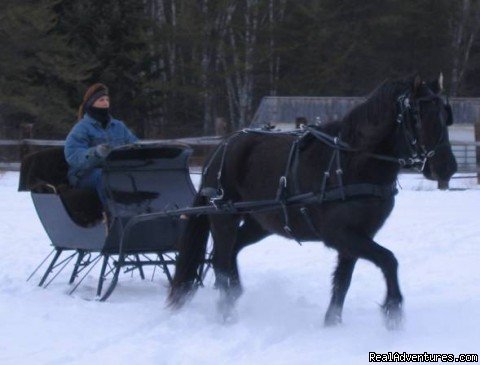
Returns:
<point x="425" y="116"/>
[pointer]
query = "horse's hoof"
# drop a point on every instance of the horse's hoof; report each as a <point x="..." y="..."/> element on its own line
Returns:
<point x="393" y="316"/>
<point x="332" y="318"/>
<point x="180" y="295"/>
<point x="230" y="318"/>
<point x="176" y="300"/>
<point x="394" y="322"/>
<point x="226" y="312"/>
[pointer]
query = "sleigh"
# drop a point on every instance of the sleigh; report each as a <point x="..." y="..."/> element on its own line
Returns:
<point x="140" y="180"/>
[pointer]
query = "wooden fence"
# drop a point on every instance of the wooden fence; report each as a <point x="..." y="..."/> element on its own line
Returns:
<point x="201" y="146"/>
<point x="466" y="153"/>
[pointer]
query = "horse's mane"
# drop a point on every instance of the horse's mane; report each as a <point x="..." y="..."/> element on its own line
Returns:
<point x="367" y="123"/>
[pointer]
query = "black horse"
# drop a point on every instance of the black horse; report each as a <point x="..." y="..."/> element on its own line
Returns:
<point x="350" y="165"/>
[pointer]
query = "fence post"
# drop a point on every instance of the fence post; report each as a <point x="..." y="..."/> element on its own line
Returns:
<point x="220" y="126"/>
<point x="26" y="132"/>
<point x="477" y="147"/>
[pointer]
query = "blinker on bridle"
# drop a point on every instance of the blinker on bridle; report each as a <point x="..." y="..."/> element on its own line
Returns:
<point x="408" y="112"/>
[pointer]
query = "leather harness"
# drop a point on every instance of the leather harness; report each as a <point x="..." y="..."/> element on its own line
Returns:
<point x="407" y="115"/>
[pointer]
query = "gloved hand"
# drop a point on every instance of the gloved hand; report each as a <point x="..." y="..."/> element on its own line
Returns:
<point x="102" y="150"/>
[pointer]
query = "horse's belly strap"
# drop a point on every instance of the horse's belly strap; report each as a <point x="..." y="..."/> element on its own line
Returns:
<point x="358" y="190"/>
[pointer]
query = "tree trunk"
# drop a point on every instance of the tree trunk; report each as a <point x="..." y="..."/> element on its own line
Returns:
<point x="465" y="26"/>
<point x="276" y="14"/>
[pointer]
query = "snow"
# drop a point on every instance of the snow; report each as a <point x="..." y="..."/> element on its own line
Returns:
<point x="435" y="236"/>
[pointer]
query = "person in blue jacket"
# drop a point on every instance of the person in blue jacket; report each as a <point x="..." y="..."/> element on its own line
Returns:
<point x="92" y="138"/>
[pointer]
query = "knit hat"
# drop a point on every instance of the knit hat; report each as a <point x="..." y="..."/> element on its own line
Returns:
<point x="93" y="93"/>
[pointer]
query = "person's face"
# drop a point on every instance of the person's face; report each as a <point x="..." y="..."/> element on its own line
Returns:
<point x="102" y="102"/>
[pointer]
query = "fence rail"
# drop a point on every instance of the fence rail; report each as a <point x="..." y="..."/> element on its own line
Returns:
<point x="13" y="163"/>
<point x="194" y="141"/>
<point x="465" y="152"/>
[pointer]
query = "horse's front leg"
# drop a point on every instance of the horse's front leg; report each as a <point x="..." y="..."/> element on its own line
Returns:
<point x="224" y="230"/>
<point x="342" y="277"/>
<point x="362" y="246"/>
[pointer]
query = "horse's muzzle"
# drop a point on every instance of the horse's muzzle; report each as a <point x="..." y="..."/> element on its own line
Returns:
<point x="441" y="167"/>
<point x="443" y="184"/>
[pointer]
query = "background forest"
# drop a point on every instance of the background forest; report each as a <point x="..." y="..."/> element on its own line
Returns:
<point x="175" y="66"/>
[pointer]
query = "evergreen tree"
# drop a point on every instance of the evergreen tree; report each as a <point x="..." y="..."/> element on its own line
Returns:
<point x="116" y="36"/>
<point x="39" y="71"/>
<point x="173" y="66"/>
<point x="346" y="47"/>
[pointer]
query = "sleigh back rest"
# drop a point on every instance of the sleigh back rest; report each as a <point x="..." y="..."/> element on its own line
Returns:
<point x="45" y="172"/>
<point x="144" y="179"/>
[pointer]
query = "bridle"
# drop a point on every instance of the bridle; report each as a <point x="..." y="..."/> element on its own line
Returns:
<point x="410" y="123"/>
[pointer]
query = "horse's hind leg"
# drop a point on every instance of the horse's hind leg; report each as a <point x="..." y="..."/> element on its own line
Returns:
<point x="340" y="283"/>
<point x="224" y="230"/>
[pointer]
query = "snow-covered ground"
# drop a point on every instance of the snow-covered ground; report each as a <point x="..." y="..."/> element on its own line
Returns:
<point x="435" y="236"/>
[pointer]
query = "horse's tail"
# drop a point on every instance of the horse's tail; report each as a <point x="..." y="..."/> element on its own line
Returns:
<point x="192" y="249"/>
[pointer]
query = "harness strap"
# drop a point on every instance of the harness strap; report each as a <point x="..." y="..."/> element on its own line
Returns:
<point x="339" y="145"/>
<point x="351" y="191"/>
<point x="283" y="200"/>
<point x="333" y="142"/>
<point x="282" y="192"/>
<point x="308" y="219"/>
<point x="326" y="173"/>
<point x="339" y="173"/>
<point x="358" y="190"/>
<point x="403" y="162"/>
<point x="379" y="191"/>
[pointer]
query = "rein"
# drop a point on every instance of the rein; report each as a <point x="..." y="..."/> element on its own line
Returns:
<point x="407" y="111"/>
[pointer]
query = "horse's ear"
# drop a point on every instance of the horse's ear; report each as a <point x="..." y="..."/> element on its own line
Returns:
<point x="436" y="85"/>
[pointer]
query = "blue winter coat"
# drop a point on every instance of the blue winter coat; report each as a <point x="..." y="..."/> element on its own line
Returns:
<point x="86" y="134"/>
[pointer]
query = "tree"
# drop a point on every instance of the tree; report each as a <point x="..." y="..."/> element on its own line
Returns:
<point x="38" y="70"/>
<point x="346" y="47"/>
<point x="464" y="27"/>
<point x="116" y="35"/>
<point x="174" y="66"/>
